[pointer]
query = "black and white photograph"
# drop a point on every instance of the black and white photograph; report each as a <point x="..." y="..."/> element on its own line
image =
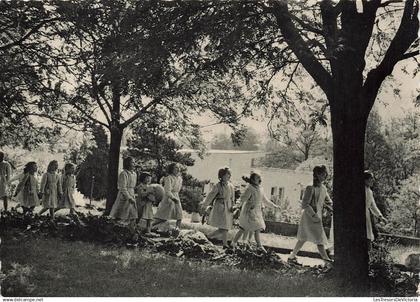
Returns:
<point x="198" y="148"/>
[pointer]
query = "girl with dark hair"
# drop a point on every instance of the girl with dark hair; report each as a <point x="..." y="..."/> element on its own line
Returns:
<point x="251" y="217"/>
<point x="370" y="207"/>
<point x="170" y="207"/>
<point x="68" y="182"/>
<point x="27" y="190"/>
<point x="145" y="199"/>
<point x="51" y="189"/>
<point x="310" y="226"/>
<point x="219" y="203"/>
<point x="125" y="208"/>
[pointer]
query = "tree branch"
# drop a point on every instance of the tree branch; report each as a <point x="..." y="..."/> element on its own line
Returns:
<point x="140" y="112"/>
<point x="300" y="47"/>
<point x="404" y="37"/>
<point x="27" y="34"/>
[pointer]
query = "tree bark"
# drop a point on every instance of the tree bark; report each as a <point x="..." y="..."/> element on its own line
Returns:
<point x="113" y="165"/>
<point x="350" y="241"/>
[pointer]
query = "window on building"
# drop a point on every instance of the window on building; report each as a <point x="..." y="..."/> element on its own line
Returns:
<point x="280" y="194"/>
<point x="252" y="162"/>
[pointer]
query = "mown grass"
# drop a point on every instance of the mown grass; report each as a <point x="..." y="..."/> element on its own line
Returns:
<point x="65" y="269"/>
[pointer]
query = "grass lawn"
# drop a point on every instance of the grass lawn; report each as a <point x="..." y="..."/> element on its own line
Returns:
<point x="62" y="268"/>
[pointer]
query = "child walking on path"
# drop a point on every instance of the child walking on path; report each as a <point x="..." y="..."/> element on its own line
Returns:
<point x="68" y="182"/>
<point x="5" y="175"/>
<point x="251" y="217"/>
<point x="125" y="208"/>
<point x="370" y="207"/>
<point x="28" y="189"/>
<point x="310" y="226"/>
<point x="221" y="200"/>
<point x="51" y="189"/>
<point x="170" y="207"/>
<point x="145" y="199"/>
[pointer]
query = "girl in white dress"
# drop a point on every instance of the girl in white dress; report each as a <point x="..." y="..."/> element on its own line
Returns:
<point x="124" y="208"/>
<point x="68" y="182"/>
<point x="27" y="190"/>
<point x="51" y="189"/>
<point x="310" y="226"/>
<point x="145" y="199"/>
<point x="251" y="217"/>
<point x="170" y="207"/>
<point x="219" y="203"/>
<point x="370" y="207"/>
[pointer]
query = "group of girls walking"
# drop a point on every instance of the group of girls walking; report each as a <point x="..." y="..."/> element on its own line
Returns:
<point x="220" y="204"/>
<point x="135" y="202"/>
<point x="55" y="191"/>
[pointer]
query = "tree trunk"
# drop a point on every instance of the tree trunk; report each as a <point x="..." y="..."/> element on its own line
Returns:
<point x="113" y="163"/>
<point x="351" y="252"/>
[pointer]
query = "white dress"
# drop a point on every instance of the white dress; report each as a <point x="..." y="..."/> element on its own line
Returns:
<point x="50" y="189"/>
<point x="370" y="207"/>
<point x="27" y="191"/>
<point x="222" y="198"/>
<point x="251" y="217"/>
<point x="5" y="174"/>
<point x="313" y="204"/>
<point x="69" y="185"/>
<point x="168" y="209"/>
<point x="123" y="208"/>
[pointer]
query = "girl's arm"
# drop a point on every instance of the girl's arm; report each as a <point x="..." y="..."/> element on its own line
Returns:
<point x="43" y="182"/>
<point x="9" y="172"/>
<point x="60" y="186"/>
<point x="168" y="185"/>
<point x="328" y="201"/>
<point x="21" y="184"/>
<point x="245" y="197"/>
<point x="122" y="186"/>
<point x="268" y="202"/>
<point x="210" y="197"/>
<point x="306" y="201"/>
<point x="372" y="206"/>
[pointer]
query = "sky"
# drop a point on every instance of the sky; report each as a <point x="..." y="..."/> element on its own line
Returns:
<point x="387" y="104"/>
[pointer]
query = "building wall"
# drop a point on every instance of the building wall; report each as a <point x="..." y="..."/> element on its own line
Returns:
<point x="284" y="184"/>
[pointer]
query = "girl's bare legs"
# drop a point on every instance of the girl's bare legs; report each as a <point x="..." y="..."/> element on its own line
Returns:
<point x="224" y="237"/>
<point x="5" y="203"/>
<point x="52" y="213"/>
<point x="178" y="224"/>
<point x="258" y="240"/>
<point x="237" y="236"/>
<point x="323" y="253"/>
<point x="148" y="225"/>
<point x="297" y="248"/>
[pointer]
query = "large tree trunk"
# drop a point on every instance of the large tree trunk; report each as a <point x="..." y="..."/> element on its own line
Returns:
<point x="351" y="253"/>
<point x="113" y="163"/>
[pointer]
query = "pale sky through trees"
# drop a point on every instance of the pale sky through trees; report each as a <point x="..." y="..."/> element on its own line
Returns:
<point x="388" y="105"/>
